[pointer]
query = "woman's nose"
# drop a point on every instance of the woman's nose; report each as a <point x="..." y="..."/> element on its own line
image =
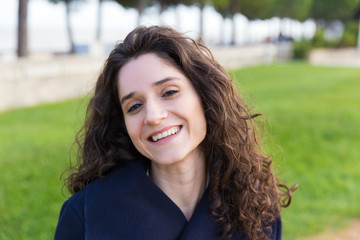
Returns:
<point x="155" y="113"/>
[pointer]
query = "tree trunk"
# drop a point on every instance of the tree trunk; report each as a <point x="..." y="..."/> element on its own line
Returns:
<point x="177" y="17"/>
<point x="358" y="43"/>
<point x="233" y="31"/>
<point x="68" y="26"/>
<point x="141" y="4"/>
<point x="22" y="46"/>
<point x="201" y="26"/>
<point x="222" y="31"/>
<point x="233" y="10"/>
<point x="99" y="17"/>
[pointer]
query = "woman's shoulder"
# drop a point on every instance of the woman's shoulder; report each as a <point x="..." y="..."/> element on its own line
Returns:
<point x="76" y="200"/>
<point x="273" y="230"/>
<point x="118" y="176"/>
<point x="276" y="229"/>
<point x="71" y="218"/>
<point x="121" y="177"/>
<point x="97" y="193"/>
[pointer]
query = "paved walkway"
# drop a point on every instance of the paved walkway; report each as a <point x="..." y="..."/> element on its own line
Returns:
<point x="346" y="57"/>
<point x="49" y="78"/>
<point x="352" y="232"/>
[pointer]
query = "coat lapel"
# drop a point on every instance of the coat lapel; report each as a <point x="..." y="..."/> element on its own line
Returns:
<point x="201" y="225"/>
<point x="128" y="205"/>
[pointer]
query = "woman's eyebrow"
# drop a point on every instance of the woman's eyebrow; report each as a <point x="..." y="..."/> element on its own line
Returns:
<point x="126" y="97"/>
<point x="155" y="84"/>
<point x="162" y="81"/>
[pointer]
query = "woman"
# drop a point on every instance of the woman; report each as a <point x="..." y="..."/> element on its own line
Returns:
<point x="169" y="151"/>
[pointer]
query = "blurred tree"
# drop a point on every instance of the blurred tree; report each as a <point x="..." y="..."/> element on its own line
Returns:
<point x="165" y="4"/>
<point x="222" y="7"/>
<point x="294" y="9"/>
<point x="325" y="11"/>
<point x="329" y="10"/>
<point x="263" y="9"/>
<point x="140" y="5"/>
<point x="201" y="4"/>
<point x="98" y="24"/>
<point x="68" y="24"/>
<point x="234" y="8"/>
<point x="357" y="16"/>
<point x="252" y="9"/>
<point x="22" y="38"/>
<point x="350" y="34"/>
<point x="256" y="9"/>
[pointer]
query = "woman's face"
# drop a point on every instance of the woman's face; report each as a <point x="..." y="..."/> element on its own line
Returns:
<point x="163" y="113"/>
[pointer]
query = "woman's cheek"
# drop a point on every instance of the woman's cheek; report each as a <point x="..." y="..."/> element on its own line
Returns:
<point x="131" y="128"/>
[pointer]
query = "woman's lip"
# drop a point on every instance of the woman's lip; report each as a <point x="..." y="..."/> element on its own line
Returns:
<point x="163" y="130"/>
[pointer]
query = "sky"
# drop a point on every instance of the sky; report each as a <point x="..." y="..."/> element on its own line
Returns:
<point x="47" y="29"/>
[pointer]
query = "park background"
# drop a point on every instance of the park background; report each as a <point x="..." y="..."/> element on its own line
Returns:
<point x="297" y="62"/>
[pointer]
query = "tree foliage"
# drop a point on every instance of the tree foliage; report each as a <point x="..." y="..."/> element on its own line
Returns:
<point x="67" y="2"/>
<point x="301" y="10"/>
<point x="222" y="7"/>
<point x="252" y="9"/>
<point x="334" y="9"/>
<point x="139" y="5"/>
<point x="294" y="9"/>
<point x="164" y="4"/>
<point x="255" y="9"/>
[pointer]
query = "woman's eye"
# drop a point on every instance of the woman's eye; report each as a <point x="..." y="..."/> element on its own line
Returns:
<point x="134" y="107"/>
<point x="170" y="93"/>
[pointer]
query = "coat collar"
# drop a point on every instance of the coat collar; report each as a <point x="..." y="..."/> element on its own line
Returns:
<point x="128" y="205"/>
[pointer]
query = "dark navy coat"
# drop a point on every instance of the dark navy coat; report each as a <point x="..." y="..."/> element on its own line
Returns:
<point x="128" y="205"/>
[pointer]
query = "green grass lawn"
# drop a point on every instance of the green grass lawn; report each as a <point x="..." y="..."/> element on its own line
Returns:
<point x="34" y="150"/>
<point x="311" y="112"/>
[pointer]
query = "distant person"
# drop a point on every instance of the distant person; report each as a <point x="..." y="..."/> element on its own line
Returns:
<point x="169" y="151"/>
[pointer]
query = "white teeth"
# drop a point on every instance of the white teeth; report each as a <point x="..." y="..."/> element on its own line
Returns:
<point x="164" y="134"/>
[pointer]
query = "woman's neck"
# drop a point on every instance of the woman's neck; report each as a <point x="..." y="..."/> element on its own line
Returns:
<point x="184" y="182"/>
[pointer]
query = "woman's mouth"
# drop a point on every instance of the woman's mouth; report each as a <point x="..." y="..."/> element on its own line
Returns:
<point x="164" y="134"/>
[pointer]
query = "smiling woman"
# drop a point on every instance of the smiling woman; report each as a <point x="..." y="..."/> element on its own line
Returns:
<point x="163" y="112"/>
<point x="169" y="151"/>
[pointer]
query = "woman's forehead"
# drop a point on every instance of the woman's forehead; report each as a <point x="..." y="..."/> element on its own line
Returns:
<point x="145" y="70"/>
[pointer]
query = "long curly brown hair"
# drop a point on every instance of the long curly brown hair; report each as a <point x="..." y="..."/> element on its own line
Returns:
<point x="244" y="189"/>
